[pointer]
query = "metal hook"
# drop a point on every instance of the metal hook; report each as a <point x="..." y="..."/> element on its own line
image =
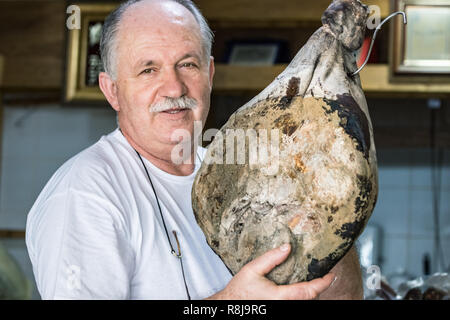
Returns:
<point x="373" y="38"/>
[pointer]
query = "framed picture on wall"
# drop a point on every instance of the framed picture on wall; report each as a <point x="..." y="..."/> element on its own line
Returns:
<point x="422" y="46"/>
<point x="83" y="62"/>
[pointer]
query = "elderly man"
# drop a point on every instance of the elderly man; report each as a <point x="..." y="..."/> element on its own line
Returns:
<point x="115" y="221"/>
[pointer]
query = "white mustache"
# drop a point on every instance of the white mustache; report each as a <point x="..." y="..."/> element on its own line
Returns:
<point x="173" y="103"/>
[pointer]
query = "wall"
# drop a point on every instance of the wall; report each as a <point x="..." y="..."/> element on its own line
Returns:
<point x="404" y="209"/>
<point x="36" y="141"/>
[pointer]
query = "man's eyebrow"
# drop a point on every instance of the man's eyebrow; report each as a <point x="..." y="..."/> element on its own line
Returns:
<point x="145" y="63"/>
<point x="190" y="55"/>
<point x="149" y="63"/>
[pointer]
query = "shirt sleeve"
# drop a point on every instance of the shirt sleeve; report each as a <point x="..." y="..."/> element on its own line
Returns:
<point x="80" y="248"/>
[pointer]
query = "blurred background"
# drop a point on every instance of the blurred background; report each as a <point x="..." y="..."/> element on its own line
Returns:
<point x="51" y="109"/>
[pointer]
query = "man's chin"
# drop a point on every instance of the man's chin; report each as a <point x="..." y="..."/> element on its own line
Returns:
<point x="178" y="134"/>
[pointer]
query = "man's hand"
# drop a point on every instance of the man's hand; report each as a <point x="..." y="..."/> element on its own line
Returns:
<point x="250" y="282"/>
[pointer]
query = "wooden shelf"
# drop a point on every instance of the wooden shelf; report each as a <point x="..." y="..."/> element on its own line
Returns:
<point x="12" y="234"/>
<point x="374" y="78"/>
<point x="229" y="78"/>
<point x="271" y="13"/>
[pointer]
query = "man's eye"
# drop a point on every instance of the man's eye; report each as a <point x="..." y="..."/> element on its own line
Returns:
<point x="147" y="71"/>
<point x="189" y="65"/>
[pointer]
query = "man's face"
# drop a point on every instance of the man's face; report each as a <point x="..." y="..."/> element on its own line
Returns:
<point x="160" y="55"/>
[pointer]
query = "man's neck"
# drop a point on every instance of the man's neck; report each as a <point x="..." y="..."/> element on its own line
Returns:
<point x="162" y="158"/>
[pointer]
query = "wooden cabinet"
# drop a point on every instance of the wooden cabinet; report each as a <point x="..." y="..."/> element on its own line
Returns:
<point x="32" y="42"/>
<point x="32" y="39"/>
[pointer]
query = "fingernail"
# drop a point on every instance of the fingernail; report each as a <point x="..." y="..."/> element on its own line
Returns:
<point x="285" y="247"/>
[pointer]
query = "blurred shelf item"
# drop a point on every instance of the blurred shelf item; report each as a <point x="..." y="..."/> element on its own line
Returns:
<point x="374" y="78"/>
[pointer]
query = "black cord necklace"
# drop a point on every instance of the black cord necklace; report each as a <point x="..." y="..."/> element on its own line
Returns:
<point x="172" y="251"/>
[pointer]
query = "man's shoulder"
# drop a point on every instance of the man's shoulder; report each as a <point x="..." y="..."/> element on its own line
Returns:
<point x="97" y="162"/>
<point x="101" y="156"/>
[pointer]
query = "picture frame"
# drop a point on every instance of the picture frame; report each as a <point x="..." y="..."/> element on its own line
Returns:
<point x="256" y="52"/>
<point x="83" y="63"/>
<point x="420" y="50"/>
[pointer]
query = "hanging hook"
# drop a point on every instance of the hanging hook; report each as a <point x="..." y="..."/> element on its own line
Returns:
<point x="373" y="38"/>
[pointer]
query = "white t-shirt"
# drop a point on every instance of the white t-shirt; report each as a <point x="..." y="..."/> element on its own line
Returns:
<point x="95" y="231"/>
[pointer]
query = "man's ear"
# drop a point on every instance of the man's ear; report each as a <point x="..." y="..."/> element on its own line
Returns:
<point x="212" y="70"/>
<point x="109" y="89"/>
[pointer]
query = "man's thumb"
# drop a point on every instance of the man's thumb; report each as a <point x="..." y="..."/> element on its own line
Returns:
<point x="269" y="260"/>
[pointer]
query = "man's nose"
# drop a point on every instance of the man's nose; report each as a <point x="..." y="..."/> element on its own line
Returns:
<point x="173" y="85"/>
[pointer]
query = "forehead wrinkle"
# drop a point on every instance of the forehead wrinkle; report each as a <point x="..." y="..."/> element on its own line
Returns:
<point x="135" y="27"/>
<point x="157" y="14"/>
<point x="146" y="24"/>
<point x="144" y="49"/>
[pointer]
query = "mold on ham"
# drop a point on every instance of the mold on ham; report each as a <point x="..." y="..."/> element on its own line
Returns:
<point x="316" y="185"/>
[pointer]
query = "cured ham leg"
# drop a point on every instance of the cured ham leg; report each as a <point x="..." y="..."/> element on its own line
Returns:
<point x="315" y="185"/>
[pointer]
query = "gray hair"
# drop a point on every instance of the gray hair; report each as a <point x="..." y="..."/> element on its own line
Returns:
<point x="108" y="41"/>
